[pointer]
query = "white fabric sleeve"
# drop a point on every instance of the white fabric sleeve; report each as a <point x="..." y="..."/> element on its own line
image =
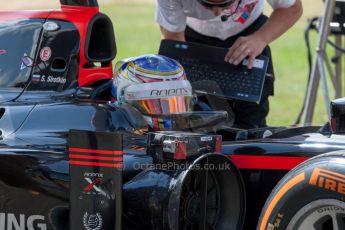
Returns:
<point x="170" y="15"/>
<point x="276" y="4"/>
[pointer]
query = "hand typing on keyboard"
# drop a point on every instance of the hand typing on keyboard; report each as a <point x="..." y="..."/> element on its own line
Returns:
<point x="225" y="80"/>
<point x="250" y="46"/>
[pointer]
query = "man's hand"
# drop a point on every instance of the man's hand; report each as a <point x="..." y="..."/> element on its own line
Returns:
<point x="250" y="46"/>
<point x="279" y="21"/>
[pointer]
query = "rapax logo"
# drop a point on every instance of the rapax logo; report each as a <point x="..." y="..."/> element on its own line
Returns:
<point x="10" y="221"/>
<point x="170" y="92"/>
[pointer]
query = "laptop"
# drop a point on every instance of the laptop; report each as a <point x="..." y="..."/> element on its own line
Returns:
<point x="209" y="74"/>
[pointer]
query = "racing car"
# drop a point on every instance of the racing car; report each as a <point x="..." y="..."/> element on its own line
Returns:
<point x="74" y="155"/>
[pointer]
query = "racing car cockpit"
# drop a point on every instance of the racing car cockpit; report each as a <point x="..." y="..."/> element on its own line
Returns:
<point x="157" y="87"/>
<point x="56" y="49"/>
<point x="24" y="68"/>
<point x="36" y="61"/>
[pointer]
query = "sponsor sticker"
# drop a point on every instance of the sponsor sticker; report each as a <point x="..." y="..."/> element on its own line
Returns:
<point x="45" y="53"/>
<point x="22" y="221"/>
<point x="328" y="180"/>
<point x="259" y="64"/>
<point x="26" y="62"/>
<point x="207" y="138"/>
<point x="157" y="90"/>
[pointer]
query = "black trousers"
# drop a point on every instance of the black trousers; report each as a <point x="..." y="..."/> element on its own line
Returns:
<point x="247" y="115"/>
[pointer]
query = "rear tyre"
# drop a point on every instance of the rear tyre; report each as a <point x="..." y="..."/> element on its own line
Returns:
<point x="309" y="197"/>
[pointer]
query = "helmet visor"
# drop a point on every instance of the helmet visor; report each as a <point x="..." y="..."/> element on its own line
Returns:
<point x="160" y="98"/>
<point x="163" y="106"/>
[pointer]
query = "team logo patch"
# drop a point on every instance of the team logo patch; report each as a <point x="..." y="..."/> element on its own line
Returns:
<point x="93" y="186"/>
<point x="45" y="53"/>
<point x="242" y="13"/>
<point x="92" y="221"/>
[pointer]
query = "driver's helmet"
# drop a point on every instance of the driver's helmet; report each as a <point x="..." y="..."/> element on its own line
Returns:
<point x="155" y="85"/>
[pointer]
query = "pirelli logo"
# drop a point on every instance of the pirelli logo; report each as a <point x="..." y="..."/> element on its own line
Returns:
<point x="328" y="180"/>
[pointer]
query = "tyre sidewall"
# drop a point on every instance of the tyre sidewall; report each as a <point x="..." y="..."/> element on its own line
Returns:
<point x="301" y="186"/>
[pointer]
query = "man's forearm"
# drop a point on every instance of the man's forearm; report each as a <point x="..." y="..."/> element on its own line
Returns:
<point x="178" y="36"/>
<point x="279" y="22"/>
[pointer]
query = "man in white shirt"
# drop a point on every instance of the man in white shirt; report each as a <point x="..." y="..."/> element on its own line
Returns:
<point x="235" y="24"/>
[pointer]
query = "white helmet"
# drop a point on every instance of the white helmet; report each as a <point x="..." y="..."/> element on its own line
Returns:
<point x="154" y="84"/>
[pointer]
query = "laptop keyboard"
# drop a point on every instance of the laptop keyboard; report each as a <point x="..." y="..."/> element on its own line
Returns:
<point x="235" y="83"/>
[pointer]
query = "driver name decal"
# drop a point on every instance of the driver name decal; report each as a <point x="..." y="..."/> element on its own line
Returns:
<point x="52" y="79"/>
<point x="36" y="78"/>
<point x="328" y="180"/>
